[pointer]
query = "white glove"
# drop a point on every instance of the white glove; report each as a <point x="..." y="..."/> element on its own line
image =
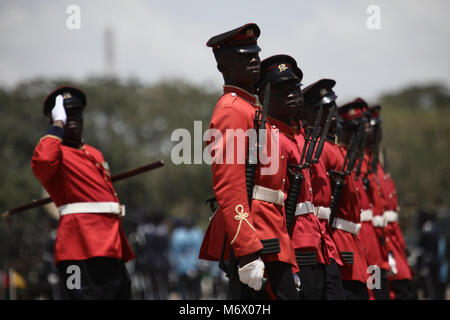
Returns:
<point x="58" y="111"/>
<point x="298" y="283"/>
<point x="392" y="263"/>
<point x="252" y="274"/>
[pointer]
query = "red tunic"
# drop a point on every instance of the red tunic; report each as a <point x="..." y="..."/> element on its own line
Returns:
<point x="378" y="204"/>
<point x="348" y="209"/>
<point x="236" y="110"/>
<point x="80" y="175"/>
<point x="320" y="182"/>
<point x="367" y="235"/>
<point x="393" y="230"/>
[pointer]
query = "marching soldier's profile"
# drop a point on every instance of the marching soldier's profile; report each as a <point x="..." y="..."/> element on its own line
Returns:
<point x="246" y="232"/>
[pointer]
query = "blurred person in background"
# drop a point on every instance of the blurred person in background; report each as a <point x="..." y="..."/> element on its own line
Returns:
<point x="153" y="258"/>
<point x="185" y="243"/>
<point x="432" y="267"/>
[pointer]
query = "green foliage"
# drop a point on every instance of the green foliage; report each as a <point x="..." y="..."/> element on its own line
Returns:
<point x="416" y="135"/>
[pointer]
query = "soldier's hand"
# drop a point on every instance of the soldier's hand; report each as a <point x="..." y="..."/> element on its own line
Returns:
<point x="58" y="111"/>
<point x="252" y="274"/>
<point x="392" y="263"/>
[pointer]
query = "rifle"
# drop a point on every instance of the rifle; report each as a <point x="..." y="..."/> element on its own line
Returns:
<point x="117" y="177"/>
<point x="361" y="150"/>
<point x="311" y="136"/>
<point x="252" y="160"/>
<point x="373" y="159"/>
<point x="339" y="176"/>
<point x="324" y="134"/>
<point x="375" y="152"/>
<point x="291" y="200"/>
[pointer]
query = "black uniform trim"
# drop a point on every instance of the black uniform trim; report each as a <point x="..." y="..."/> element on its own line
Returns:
<point x="270" y="246"/>
<point x="55" y="131"/>
<point x="306" y="258"/>
<point x="347" y="256"/>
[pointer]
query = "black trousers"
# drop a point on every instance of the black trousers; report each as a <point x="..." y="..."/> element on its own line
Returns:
<point x="355" y="290"/>
<point x="334" y="287"/>
<point x="281" y="282"/>
<point x="313" y="279"/>
<point x="98" y="278"/>
<point x="403" y="289"/>
<point x="383" y="292"/>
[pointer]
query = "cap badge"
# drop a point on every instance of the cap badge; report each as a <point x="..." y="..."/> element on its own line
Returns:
<point x="323" y="92"/>
<point x="250" y="33"/>
<point x="282" y="67"/>
<point x="67" y="95"/>
<point x="351" y="112"/>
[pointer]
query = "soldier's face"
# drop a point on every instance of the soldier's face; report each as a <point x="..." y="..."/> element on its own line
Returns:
<point x="286" y="97"/>
<point x="74" y="124"/>
<point x="241" y="68"/>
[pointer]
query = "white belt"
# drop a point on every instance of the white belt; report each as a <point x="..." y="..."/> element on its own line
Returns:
<point x="347" y="226"/>
<point x="366" y="215"/>
<point x="378" y="221"/>
<point x="304" y="208"/>
<point x="322" y="213"/>
<point x="268" y="195"/>
<point x="92" y="207"/>
<point x="390" y="216"/>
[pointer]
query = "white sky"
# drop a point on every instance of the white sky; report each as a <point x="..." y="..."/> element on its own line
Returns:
<point x="157" y="40"/>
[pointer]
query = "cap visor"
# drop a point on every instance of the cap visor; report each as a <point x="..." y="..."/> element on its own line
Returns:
<point x="252" y="48"/>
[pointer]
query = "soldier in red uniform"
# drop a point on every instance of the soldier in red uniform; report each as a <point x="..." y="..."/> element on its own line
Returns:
<point x="346" y="225"/>
<point x="373" y="249"/>
<point x="90" y="247"/>
<point x="319" y="94"/>
<point x="400" y="275"/>
<point x="306" y="233"/>
<point x="252" y="232"/>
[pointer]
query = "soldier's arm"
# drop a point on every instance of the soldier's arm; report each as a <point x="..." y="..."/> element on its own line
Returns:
<point x="47" y="155"/>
